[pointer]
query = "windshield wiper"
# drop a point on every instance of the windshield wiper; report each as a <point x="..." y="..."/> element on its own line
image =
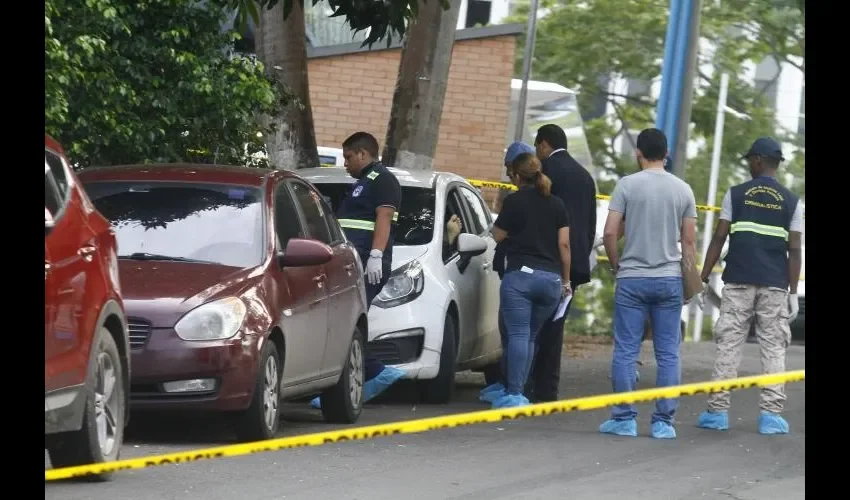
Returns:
<point x="154" y="256"/>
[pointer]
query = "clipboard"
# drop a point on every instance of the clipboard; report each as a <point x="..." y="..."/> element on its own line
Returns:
<point x="562" y="307"/>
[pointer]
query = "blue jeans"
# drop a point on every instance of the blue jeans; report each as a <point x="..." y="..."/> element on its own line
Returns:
<point x="373" y="365"/>
<point x="527" y="301"/>
<point x="634" y="300"/>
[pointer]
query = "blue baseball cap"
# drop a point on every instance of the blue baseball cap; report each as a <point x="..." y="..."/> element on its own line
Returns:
<point x="515" y="150"/>
<point x="766" y="146"/>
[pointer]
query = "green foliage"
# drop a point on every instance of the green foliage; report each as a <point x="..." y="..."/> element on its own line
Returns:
<point x="577" y="43"/>
<point x="150" y="81"/>
<point x="383" y="19"/>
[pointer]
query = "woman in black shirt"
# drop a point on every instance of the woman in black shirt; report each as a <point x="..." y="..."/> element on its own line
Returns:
<point x="538" y="269"/>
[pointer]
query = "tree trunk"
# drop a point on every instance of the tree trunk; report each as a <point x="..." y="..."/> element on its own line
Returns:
<point x="281" y="46"/>
<point x="423" y="75"/>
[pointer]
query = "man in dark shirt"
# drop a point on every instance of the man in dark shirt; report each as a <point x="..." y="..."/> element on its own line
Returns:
<point x="574" y="185"/>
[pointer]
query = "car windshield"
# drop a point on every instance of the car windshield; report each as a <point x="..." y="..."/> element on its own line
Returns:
<point x="415" y="224"/>
<point x="214" y="223"/>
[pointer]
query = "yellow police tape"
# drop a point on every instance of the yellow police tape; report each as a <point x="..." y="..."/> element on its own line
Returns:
<point x="511" y="187"/>
<point x="427" y="424"/>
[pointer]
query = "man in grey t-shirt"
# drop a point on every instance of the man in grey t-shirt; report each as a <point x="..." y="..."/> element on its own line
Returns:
<point x="660" y="223"/>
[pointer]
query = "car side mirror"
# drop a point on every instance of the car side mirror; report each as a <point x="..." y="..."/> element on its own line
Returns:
<point x="303" y="252"/>
<point x="471" y="244"/>
<point x="468" y="246"/>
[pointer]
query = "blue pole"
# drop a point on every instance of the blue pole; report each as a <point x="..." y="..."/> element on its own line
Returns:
<point x="669" y="44"/>
<point x="678" y="75"/>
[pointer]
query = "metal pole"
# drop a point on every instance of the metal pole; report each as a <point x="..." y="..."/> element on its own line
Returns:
<point x="712" y="182"/>
<point x="667" y="65"/>
<point x="526" y="70"/>
<point x="689" y="67"/>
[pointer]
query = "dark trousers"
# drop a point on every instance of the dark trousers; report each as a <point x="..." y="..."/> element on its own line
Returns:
<point x="373" y="364"/>
<point x="545" y="373"/>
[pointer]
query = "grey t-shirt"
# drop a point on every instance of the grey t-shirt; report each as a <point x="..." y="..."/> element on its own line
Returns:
<point x="654" y="202"/>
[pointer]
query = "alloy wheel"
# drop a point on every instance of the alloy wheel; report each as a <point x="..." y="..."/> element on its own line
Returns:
<point x="355" y="371"/>
<point x="106" y="403"/>
<point x="271" y="381"/>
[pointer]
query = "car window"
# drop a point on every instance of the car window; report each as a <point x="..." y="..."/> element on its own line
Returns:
<point x="454" y="206"/>
<point x="59" y="176"/>
<point x="479" y="211"/>
<point x="286" y="219"/>
<point x="415" y="225"/>
<point x="337" y="236"/>
<point x="52" y="201"/>
<point x="313" y="211"/>
<point x="217" y="223"/>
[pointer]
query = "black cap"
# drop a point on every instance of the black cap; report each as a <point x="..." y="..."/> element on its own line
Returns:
<point x="766" y="146"/>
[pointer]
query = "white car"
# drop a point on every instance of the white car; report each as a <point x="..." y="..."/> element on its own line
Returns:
<point x="438" y="313"/>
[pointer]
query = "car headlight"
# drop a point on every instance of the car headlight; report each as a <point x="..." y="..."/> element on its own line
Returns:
<point x="405" y="284"/>
<point x="216" y="320"/>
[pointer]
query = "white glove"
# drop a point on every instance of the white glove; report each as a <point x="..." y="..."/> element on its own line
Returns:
<point x="698" y="299"/>
<point x="374" y="267"/>
<point x="794" y="306"/>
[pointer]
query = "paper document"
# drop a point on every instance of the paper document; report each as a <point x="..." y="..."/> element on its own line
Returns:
<point x="562" y="307"/>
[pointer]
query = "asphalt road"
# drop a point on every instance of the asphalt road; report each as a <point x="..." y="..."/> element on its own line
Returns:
<point x="547" y="457"/>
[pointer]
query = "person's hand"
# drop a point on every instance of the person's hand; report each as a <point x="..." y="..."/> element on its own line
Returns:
<point x="374" y="267"/>
<point x="698" y="299"/>
<point x="566" y="290"/>
<point x="793" y="306"/>
<point x="453" y="228"/>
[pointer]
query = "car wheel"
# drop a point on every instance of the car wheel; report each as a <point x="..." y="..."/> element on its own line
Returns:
<point x="102" y="434"/>
<point x="440" y="389"/>
<point x="262" y="419"/>
<point x="342" y="403"/>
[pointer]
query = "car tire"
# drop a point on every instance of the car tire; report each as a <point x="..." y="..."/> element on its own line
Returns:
<point x="343" y="403"/>
<point x="262" y="418"/>
<point x="440" y="389"/>
<point x="102" y="405"/>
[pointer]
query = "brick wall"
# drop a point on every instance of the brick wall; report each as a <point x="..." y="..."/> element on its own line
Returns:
<point x="354" y="92"/>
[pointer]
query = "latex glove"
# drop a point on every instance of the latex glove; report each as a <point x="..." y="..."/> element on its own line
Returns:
<point x="374" y="267"/>
<point x="453" y="228"/>
<point x="699" y="299"/>
<point x="794" y="306"/>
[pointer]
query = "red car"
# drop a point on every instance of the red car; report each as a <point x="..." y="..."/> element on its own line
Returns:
<point x="241" y="291"/>
<point x="86" y="343"/>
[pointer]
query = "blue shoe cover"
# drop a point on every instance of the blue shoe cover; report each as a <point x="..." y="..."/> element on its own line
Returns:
<point x="510" y="401"/>
<point x="718" y="420"/>
<point x="382" y="382"/>
<point x="492" y="392"/>
<point x="772" y="423"/>
<point x="663" y="430"/>
<point x="619" y="427"/>
<point x="316" y="403"/>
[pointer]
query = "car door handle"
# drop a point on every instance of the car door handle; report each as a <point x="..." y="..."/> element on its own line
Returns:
<point x="320" y="280"/>
<point x="349" y="267"/>
<point x="87" y="252"/>
<point x="485" y="265"/>
<point x="47" y="267"/>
